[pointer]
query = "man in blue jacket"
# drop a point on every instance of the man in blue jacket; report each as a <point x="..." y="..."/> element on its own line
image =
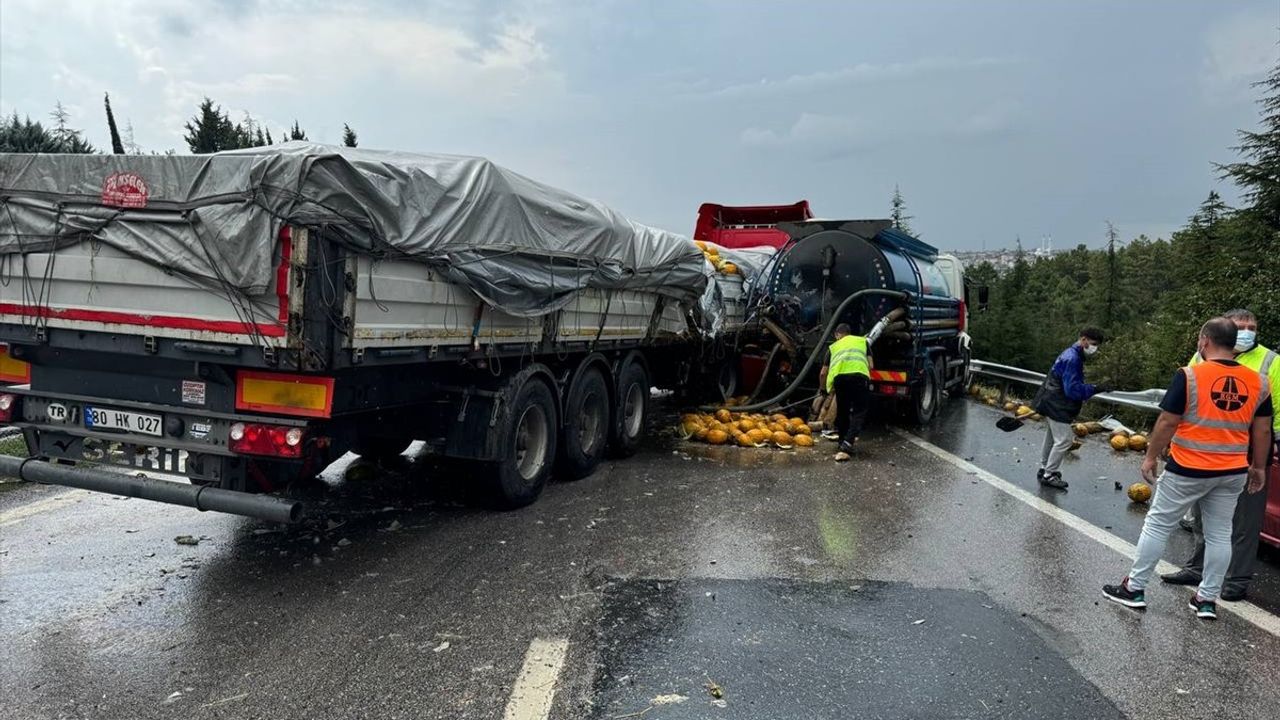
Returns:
<point x="1059" y="400"/>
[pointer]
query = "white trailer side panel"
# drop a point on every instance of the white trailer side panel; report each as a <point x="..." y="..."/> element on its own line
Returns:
<point x="92" y="286"/>
<point x="401" y="303"/>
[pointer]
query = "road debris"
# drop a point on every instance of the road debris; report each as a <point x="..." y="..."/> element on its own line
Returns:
<point x="714" y="689"/>
<point x="233" y="698"/>
<point x="186" y="540"/>
<point x="441" y="647"/>
<point x="670" y="699"/>
<point x="918" y="622"/>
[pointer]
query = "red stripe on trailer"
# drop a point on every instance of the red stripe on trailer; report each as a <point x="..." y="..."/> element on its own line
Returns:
<point x="889" y="375"/>
<point x="232" y="327"/>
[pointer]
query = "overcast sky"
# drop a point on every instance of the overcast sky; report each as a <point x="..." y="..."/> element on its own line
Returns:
<point x="997" y="119"/>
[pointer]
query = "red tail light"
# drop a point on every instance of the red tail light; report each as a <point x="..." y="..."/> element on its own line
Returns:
<point x="964" y="316"/>
<point x="261" y="439"/>
<point x="8" y="404"/>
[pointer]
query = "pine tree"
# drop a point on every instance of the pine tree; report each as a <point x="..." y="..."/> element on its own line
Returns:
<point x="68" y="140"/>
<point x="1258" y="173"/>
<point x="117" y="147"/>
<point x="130" y="145"/>
<point x="297" y="133"/>
<point x="1113" y="277"/>
<point x="898" y="212"/>
<point x="348" y="136"/>
<point x="269" y="140"/>
<point x="210" y="130"/>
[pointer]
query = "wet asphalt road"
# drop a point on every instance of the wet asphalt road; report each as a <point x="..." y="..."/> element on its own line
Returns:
<point x="896" y="586"/>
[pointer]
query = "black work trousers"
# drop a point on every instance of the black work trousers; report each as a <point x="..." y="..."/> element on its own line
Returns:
<point x="853" y="396"/>
<point x="1246" y="526"/>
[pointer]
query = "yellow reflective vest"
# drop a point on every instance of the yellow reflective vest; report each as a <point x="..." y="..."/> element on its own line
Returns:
<point x="1266" y="363"/>
<point x="848" y="355"/>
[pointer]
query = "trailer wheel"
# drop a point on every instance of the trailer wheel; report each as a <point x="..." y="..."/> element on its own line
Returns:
<point x="586" y="426"/>
<point x="927" y="398"/>
<point x="528" y="445"/>
<point x="632" y="411"/>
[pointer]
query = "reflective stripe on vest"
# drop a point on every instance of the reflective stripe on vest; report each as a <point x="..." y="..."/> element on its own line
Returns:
<point x="848" y="356"/>
<point x="1221" y="403"/>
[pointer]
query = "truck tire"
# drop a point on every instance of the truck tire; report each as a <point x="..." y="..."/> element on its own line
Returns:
<point x="927" y="397"/>
<point x="527" y="442"/>
<point x="632" y="410"/>
<point x="586" y="425"/>
<point x="380" y="449"/>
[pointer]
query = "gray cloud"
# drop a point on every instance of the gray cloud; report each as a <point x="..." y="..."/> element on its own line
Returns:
<point x="859" y="73"/>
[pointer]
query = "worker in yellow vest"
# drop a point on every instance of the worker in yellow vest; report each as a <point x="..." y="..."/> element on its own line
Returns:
<point x="1251" y="507"/>
<point x="847" y="373"/>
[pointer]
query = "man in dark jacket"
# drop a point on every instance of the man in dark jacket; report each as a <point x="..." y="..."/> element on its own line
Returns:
<point x="1059" y="400"/>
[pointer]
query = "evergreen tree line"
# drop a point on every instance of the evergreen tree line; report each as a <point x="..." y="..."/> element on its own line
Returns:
<point x="1149" y="296"/>
<point x="209" y="130"/>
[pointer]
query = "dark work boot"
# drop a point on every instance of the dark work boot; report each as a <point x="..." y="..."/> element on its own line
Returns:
<point x="1233" y="593"/>
<point x="1182" y="577"/>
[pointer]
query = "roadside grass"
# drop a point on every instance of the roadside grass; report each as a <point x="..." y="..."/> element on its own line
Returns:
<point x="15" y="446"/>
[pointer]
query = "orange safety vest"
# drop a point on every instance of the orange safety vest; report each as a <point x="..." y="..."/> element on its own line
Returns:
<point x="1221" y="403"/>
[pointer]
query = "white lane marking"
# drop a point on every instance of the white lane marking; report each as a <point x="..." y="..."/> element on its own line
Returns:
<point x="18" y="514"/>
<point x="536" y="685"/>
<point x="1246" y="611"/>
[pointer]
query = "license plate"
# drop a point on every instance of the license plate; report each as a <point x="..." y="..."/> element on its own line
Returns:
<point x="122" y="420"/>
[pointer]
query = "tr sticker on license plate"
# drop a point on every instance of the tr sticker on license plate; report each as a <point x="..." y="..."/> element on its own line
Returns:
<point x="122" y="420"/>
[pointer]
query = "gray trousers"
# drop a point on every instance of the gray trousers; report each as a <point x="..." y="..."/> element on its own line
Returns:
<point x="1246" y="527"/>
<point x="1174" y="494"/>
<point x="1057" y="442"/>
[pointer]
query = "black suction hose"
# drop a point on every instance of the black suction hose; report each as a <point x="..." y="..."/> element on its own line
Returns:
<point x="764" y="376"/>
<point x="817" y="350"/>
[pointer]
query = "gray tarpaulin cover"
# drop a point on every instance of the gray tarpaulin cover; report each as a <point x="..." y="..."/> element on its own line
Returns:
<point x="522" y="246"/>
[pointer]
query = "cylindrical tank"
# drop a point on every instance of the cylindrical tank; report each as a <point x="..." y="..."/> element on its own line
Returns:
<point x="832" y="260"/>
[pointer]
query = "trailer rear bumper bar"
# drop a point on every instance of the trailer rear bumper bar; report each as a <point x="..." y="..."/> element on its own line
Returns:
<point x="263" y="507"/>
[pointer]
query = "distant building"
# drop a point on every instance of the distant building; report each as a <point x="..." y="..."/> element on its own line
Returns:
<point x="1003" y="258"/>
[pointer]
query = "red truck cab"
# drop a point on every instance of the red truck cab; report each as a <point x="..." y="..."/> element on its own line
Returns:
<point x="743" y="226"/>
<point x="1271" y="519"/>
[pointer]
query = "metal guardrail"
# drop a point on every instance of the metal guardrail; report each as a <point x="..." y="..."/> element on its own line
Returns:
<point x="1146" y="400"/>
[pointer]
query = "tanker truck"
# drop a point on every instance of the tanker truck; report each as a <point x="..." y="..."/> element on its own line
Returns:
<point x="870" y="275"/>
<point x="244" y="318"/>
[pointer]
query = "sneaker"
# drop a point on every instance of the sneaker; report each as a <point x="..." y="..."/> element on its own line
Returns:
<point x="1186" y="524"/>
<point x="830" y="435"/>
<point x="842" y="456"/>
<point x="1206" y="609"/>
<point x="1040" y="475"/>
<point x="1054" y="480"/>
<point x="1136" y="599"/>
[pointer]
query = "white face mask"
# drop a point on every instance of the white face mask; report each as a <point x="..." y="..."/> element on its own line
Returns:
<point x="1245" y="339"/>
<point x="1090" y="349"/>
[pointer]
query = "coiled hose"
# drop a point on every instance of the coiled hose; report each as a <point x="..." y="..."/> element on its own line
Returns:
<point x="817" y="350"/>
